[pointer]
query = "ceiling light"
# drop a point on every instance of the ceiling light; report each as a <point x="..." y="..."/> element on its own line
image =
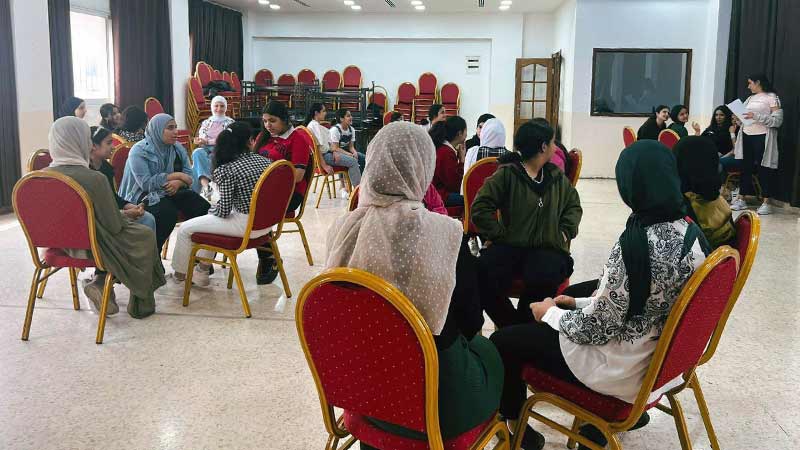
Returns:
<point x="504" y="7"/>
<point x="349" y="2"/>
<point x="356" y="7"/>
<point x="416" y="2"/>
<point x="263" y="2"/>
<point x="506" y="2"/>
<point x="274" y="6"/>
<point x="420" y="7"/>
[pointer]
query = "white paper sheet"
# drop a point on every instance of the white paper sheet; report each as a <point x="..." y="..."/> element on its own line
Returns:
<point x="738" y="108"/>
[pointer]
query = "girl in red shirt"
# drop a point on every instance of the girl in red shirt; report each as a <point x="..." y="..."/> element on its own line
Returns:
<point x="448" y="137"/>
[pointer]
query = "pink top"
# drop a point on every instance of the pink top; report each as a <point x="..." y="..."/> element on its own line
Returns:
<point x="559" y="158"/>
<point x="433" y="201"/>
<point x="763" y="102"/>
<point x="210" y="129"/>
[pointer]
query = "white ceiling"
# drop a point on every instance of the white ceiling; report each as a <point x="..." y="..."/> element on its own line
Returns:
<point x="402" y="6"/>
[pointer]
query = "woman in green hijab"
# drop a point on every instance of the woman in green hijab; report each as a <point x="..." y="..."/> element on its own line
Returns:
<point x="128" y="249"/>
<point x="602" y="333"/>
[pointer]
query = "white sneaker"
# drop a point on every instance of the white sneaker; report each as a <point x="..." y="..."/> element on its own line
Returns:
<point x="738" y="204"/>
<point x="200" y="277"/>
<point x="94" y="292"/>
<point x="474" y="247"/>
<point x="764" y="209"/>
<point x="344" y="194"/>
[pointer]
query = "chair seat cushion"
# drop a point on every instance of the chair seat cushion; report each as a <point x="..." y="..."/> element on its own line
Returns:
<point x="291" y="214"/>
<point x="56" y="257"/>
<point x="366" y="432"/>
<point x="609" y="408"/>
<point x="228" y="242"/>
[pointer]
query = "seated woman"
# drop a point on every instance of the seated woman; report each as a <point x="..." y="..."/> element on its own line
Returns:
<point x="207" y="139"/>
<point x="605" y="340"/>
<point x="158" y="175"/>
<point x="110" y="117"/>
<point x="680" y="117"/>
<point x="342" y="147"/>
<point x="448" y="138"/>
<point x="236" y="172"/>
<point x="314" y="118"/>
<point x="539" y="216"/>
<point x="438" y="276"/>
<point x="73" y="107"/>
<point x="396" y="117"/>
<point x="279" y="141"/>
<point x="475" y="140"/>
<point x="655" y="124"/>
<point x="723" y="130"/>
<point x="128" y="249"/>
<point x="492" y="143"/>
<point x="698" y="166"/>
<point x="436" y="114"/>
<point x="134" y="119"/>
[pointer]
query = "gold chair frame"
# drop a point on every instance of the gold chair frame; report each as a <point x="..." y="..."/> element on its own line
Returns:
<point x="328" y="179"/>
<point x="296" y="219"/>
<point x="34" y="156"/>
<point x="468" y="202"/>
<point x="631" y="131"/>
<point x="666" y="132"/>
<point x="577" y="169"/>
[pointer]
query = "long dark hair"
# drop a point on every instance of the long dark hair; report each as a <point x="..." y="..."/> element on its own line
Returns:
<point x="530" y="137"/>
<point x="341" y="114"/>
<point x="763" y="80"/>
<point x="273" y="108"/>
<point x="133" y="119"/>
<point x="396" y="116"/>
<point x="99" y="134"/>
<point x="728" y="119"/>
<point x="447" y="130"/>
<point x="106" y="111"/>
<point x="315" y="108"/>
<point x="232" y="142"/>
<point x="434" y="111"/>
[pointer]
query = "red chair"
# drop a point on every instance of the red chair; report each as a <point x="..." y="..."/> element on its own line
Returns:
<point x="379" y="98"/>
<point x="236" y="84"/>
<point x="575" y="165"/>
<point x="451" y="99"/>
<point x="331" y="81"/>
<point x="55" y="213"/>
<point x="294" y="217"/>
<point x="118" y="159"/>
<point x="428" y="85"/>
<point x="267" y="208"/>
<point x="473" y="182"/>
<point x="328" y="179"/>
<point x="117" y="140"/>
<point x="692" y="320"/>
<point x="372" y="354"/>
<point x="39" y="160"/>
<point x="216" y="75"/>
<point x="226" y="77"/>
<point x="286" y="81"/>
<point x="197" y="107"/>
<point x="668" y="138"/>
<point x="306" y="76"/>
<point x="263" y="78"/>
<point x="387" y="117"/>
<point x="203" y="73"/>
<point x="351" y="78"/>
<point x="152" y="107"/>
<point x="628" y="136"/>
<point x="405" y="100"/>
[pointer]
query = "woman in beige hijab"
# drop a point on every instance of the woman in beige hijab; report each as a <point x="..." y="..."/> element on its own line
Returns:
<point x="422" y="253"/>
<point x="128" y="249"/>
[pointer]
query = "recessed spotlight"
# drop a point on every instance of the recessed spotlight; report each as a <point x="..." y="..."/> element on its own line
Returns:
<point x="274" y="6"/>
<point x="356" y="7"/>
<point x="416" y="2"/>
<point x="263" y="2"/>
<point x="504" y="7"/>
<point x="506" y="2"/>
<point x="349" y="2"/>
<point x="420" y="7"/>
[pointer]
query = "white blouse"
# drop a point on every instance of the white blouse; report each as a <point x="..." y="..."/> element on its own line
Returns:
<point x="608" y="353"/>
<point x="322" y="134"/>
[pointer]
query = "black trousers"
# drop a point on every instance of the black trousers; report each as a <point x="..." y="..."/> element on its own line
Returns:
<point x="752" y="153"/>
<point x="186" y="201"/>
<point x="542" y="270"/>
<point x="535" y="343"/>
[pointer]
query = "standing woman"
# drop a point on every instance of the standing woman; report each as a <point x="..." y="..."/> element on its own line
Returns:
<point x="74" y="107"/>
<point x="680" y="117"/>
<point x="207" y="139"/>
<point x="158" y="174"/>
<point x="110" y="117"/>
<point x="757" y="145"/>
<point x="128" y="249"/>
<point x="448" y="138"/>
<point x="655" y="124"/>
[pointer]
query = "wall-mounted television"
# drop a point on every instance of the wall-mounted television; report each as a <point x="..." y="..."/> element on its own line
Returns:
<point x="633" y="81"/>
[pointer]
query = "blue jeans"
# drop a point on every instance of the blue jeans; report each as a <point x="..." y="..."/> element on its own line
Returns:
<point x="201" y="166"/>
<point x="148" y="220"/>
<point x="354" y="166"/>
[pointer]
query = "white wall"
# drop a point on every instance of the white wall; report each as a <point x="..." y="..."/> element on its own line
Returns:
<point x="32" y="69"/>
<point x="538" y="35"/>
<point x="181" y="57"/>
<point x="564" y="41"/>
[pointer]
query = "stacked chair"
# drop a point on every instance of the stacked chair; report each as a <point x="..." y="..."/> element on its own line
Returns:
<point x="406" y="93"/>
<point x="331" y="81"/>
<point x="426" y="95"/>
<point x="450" y="96"/>
<point x="286" y="80"/>
<point x="351" y="80"/>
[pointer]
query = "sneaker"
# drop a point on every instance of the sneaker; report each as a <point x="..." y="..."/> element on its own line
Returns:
<point x="764" y="209"/>
<point x="200" y="277"/>
<point x="739" y="204"/>
<point x="94" y="292"/>
<point x="474" y="247"/>
<point x="344" y="194"/>
<point x="268" y="275"/>
<point x="206" y="192"/>
<point x="644" y="419"/>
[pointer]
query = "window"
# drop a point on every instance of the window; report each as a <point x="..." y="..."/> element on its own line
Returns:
<point x="92" y="58"/>
<point x="631" y="82"/>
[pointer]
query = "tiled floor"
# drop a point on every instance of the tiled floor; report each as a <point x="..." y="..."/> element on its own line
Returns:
<point x="203" y="377"/>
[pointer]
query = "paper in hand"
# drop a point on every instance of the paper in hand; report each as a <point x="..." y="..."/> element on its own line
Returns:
<point x="738" y="109"/>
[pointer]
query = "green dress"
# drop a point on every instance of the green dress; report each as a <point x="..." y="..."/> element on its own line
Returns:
<point x="128" y="249"/>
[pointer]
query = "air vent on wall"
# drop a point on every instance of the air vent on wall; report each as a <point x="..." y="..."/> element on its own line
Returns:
<point x="473" y="64"/>
<point x="481" y="3"/>
<point x="390" y="3"/>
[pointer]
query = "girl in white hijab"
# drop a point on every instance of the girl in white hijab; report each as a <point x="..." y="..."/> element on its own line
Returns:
<point x="493" y="143"/>
<point x="422" y="253"/>
<point x="206" y="140"/>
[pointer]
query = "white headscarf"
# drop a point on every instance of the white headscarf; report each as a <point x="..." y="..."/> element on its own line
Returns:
<point x="391" y="234"/>
<point x="70" y="142"/>
<point x="222" y="117"/>
<point x="493" y="134"/>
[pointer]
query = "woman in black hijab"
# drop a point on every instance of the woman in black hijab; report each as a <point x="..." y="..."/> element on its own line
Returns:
<point x="74" y="107"/>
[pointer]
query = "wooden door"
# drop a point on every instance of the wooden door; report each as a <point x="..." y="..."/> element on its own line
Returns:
<point x="537" y="89"/>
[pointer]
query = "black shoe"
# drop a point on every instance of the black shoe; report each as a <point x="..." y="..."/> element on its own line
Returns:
<point x="266" y="276"/>
<point x="643" y="420"/>
<point x="531" y="440"/>
<point x="591" y="432"/>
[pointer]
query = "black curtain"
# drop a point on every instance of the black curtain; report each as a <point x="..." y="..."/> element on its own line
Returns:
<point x="764" y="38"/>
<point x="142" y="52"/>
<point x="60" y="52"/>
<point x="9" y="126"/>
<point x="216" y="36"/>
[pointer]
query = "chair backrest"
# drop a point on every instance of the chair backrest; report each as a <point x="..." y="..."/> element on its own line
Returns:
<point x="369" y="350"/>
<point x="353" y="202"/>
<point x="306" y="76"/>
<point x="54" y="211"/>
<point x="226" y="76"/>
<point x="195" y="85"/>
<point x="748" y="231"/>
<point x="286" y="79"/>
<point x="351" y="77"/>
<point x="691" y="322"/>
<point x="236" y="84"/>
<point x="628" y="136"/>
<point x="39" y="160"/>
<point x="332" y="80"/>
<point x="216" y="75"/>
<point x="450" y="94"/>
<point x="473" y="182"/>
<point x="668" y="138"/>
<point x="406" y="93"/>
<point x="387" y="117"/>
<point x="312" y="164"/>
<point x="427" y="84"/>
<point x="118" y="160"/>
<point x="185" y="139"/>
<point x="152" y="107"/>
<point x="271" y="197"/>
<point x="203" y="73"/>
<point x="117" y="140"/>
<point x="575" y="164"/>
<point x="263" y="78"/>
<point x="379" y="98"/>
